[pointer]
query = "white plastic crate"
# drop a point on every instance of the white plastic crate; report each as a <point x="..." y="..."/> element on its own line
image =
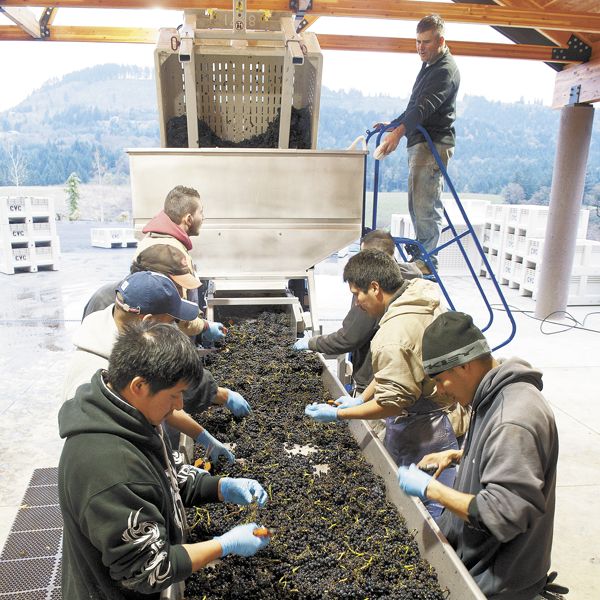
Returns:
<point x="521" y="245"/>
<point x="18" y="231"/>
<point x="506" y="269"/>
<point x="532" y="220"/>
<point x="487" y="234"/>
<point x="21" y="255"/>
<point x="11" y="207"/>
<point x="497" y="236"/>
<point x="533" y="249"/>
<point x="510" y="243"/>
<point x="513" y="214"/>
<point x="584" y="290"/>
<point x="46" y="255"/>
<point x="476" y="210"/>
<point x="586" y="257"/>
<point x="529" y="278"/>
<point x="24" y="222"/>
<point x="493" y="258"/>
<point x="398" y="226"/>
<point x="15" y="259"/>
<point x="43" y="230"/>
<point x="450" y="260"/>
<point x="40" y="206"/>
<point x="499" y="213"/>
<point x="517" y="273"/>
<point x="113" y="237"/>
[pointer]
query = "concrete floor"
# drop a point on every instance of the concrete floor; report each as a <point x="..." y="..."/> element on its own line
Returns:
<point x="40" y="311"/>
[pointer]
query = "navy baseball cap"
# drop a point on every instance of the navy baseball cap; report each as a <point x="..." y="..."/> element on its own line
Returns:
<point x="149" y="293"/>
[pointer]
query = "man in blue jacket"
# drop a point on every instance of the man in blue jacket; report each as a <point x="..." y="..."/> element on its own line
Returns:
<point x="499" y="514"/>
<point x="432" y="105"/>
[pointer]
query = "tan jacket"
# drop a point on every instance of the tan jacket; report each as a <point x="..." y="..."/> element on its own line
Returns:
<point x="396" y="351"/>
<point x="190" y="328"/>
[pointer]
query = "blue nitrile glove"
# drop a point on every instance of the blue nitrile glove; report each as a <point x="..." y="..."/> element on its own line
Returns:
<point x="321" y="412"/>
<point x="214" y="448"/>
<point x="349" y="401"/>
<point x="301" y="344"/>
<point x="242" y="491"/>
<point x="237" y="404"/>
<point x="215" y="332"/>
<point x="413" y="481"/>
<point x="241" y="541"/>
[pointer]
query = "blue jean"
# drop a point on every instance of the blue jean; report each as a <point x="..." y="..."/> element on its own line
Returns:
<point x="425" y="185"/>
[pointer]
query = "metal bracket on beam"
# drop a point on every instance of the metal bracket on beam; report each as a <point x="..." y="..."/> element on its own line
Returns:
<point x="302" y="25"/>
<point x="300" y="6"/>
<point x="45" y="21"/>
<point x="574" y="93"/>
<point x="575" y="50"/>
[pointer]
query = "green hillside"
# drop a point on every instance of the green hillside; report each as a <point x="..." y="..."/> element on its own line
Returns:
<point x="82" y="123"/>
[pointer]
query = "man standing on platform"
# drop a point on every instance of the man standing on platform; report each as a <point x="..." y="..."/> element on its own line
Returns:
<point x="432" y="105"/>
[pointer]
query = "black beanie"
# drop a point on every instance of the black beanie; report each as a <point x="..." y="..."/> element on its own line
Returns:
<point x="452" y="340"/>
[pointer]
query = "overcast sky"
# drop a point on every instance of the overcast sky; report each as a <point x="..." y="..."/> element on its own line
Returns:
<point x="25" y="66"/>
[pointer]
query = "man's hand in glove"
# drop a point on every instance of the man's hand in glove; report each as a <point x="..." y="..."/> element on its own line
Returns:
<point x="348" y="401"/>
<point x="413" y="481"/>
<point x="237" y="404"/>
<point x="241" y="541"/>
<point x="321" y="412"/>
<point x="214" y="448"/>
<point x="301" y="344"/>
<point x="242" y="491"/>
<point x="214" y="332"/>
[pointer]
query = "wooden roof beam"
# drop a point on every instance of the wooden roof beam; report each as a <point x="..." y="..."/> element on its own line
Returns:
<point x="24" y="19"/>
<point x="458" y="48"/>
<point x="481" y="14"/>
<point x="560" y="38"/>
<point x="327" y="42"/>
<point x="9" y="33"/>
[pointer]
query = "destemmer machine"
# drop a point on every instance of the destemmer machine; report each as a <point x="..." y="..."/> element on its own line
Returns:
<point x="269" y="216"/>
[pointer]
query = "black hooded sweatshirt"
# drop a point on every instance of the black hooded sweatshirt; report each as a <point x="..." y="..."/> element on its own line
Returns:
<point x="432" y="102"/>
<point x="509" y="464"/>
<point x="122" y="515"/>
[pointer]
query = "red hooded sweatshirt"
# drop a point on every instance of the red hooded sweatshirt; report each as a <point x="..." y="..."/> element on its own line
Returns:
<point x="163" y="225"/>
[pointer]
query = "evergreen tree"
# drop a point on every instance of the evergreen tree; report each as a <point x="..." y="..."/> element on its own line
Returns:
<point x="72" y="191"/>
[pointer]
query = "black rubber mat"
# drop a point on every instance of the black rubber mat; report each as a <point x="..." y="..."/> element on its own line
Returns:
<point x="30" y="560"/>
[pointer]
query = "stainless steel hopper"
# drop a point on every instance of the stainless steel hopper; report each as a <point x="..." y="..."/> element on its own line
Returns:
<point x="270" y="215"/>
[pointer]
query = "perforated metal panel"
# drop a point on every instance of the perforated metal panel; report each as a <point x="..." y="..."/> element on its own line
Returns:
<point x="30" y="560"/>
<point x="27" y="544"/>
<point x="238" y="96"/>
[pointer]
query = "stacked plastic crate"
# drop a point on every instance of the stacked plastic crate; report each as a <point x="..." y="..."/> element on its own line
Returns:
<point x="450" y="259"/>
<point x="513" y="243"/>
<point x="28" y="240"/>
<point x="493" y="238"/>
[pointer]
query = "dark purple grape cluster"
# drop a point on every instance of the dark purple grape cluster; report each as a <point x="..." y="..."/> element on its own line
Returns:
<point x="336" y="536"/>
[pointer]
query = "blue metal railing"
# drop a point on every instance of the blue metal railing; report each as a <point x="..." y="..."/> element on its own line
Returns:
<point x="455" y="239"/>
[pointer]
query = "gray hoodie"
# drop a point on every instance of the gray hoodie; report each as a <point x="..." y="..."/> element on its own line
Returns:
<point x="509" y="464"/>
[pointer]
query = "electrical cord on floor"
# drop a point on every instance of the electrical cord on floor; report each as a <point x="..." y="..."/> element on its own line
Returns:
<point x="575" y="324"/>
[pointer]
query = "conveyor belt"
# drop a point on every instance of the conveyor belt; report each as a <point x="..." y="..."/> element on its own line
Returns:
<point x="31" y="559"/>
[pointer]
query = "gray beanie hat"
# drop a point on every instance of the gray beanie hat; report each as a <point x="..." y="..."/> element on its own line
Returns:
<point x="452" y="340"/>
